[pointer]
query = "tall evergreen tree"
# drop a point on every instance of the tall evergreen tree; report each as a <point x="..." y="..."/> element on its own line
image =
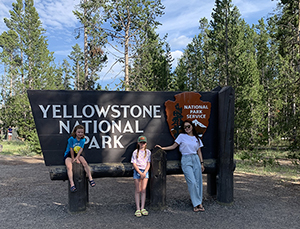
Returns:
<point x="10" y="57"/>
<point x="287" y="36"/>
<point x="64" y="71"/>
<point x="35" y="70"/>
<point x="122" y="21"/>
<point x="90" y="16"/>
<point x="127" y="19"/>
<point x="77" y="56"/>
<point x="151" y="68"/>
<point x="223" y="37"/>
<point x="267" y="64"/>
<point x="232" y="44"/>
<point x="193" y="71"/>
<point x="224" y="54"/>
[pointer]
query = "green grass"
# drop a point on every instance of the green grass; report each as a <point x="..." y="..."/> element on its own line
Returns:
<point x="16" y="148"/>
<point x="268" y="162"/>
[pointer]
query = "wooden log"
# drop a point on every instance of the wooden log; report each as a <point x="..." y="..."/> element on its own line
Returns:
<point x="226" y="144"/>
<point x="158" y="179"/>
<point x="212" y="184"/>
<point x="78" y="200"/>
<point x="59" y="172"/>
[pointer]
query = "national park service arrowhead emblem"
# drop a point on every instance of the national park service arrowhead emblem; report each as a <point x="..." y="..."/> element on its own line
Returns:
<point x="187" y="106"/>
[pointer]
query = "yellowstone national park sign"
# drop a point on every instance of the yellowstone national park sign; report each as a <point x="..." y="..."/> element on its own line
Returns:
<point x="113" y="120"/>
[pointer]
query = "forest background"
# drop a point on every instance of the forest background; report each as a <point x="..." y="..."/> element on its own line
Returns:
<point x="261" y="62"/>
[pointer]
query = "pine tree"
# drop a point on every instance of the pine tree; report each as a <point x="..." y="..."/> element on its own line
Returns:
<point x="151" y="68"/>
<point x="35" y="68"/>
<point x="77" y="57"/>
<point x="267" y="63"/>
<point x="223" y="37"/>
<point x="120" y="22"/>
<point x="9" y="56"/>
<point x="287" y="36"/>
<point x="94" y="58"/>
<point x="224" y="54"/>
<point x="127" y="19"/>
<point x="65" y="73"/>
<point x="193" y="71"/>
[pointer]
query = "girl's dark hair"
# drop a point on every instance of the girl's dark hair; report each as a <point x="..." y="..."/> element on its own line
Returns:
<point x="194" y="128"/>
<point x="73" y="134"/>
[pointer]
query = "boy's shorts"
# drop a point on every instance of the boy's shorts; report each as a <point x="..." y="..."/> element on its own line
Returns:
<point x="136" y="175"/>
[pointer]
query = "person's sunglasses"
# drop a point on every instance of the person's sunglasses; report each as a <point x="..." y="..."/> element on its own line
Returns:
<point x="187" y="127"/>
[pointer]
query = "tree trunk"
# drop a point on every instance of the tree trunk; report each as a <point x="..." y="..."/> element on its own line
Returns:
<point x="77" y="74"/>
<point x="269" y="122"/>
<point x="22" y="71"/>
<point x="298" y="38"/>
<point x="226" y="48"/>
<point x="11" y="76"/>
<point x="85" y="55"/>
<point x="127" y="52"/>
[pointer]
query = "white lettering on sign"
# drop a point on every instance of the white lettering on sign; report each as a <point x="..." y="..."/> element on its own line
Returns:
<point x="108" y="123"/>
<point x="196" y="107"/>
<point x="88" y="111"/>
<point x="203" y="116"/>
<point x="196" y="111"/>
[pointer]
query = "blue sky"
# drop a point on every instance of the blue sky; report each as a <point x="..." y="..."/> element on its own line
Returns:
<point x="180" y="22"/>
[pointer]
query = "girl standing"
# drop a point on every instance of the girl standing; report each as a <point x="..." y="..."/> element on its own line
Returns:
<point x="140" y="160"/>
<point x="191" y="161"/>
<point x="73" y="154"/>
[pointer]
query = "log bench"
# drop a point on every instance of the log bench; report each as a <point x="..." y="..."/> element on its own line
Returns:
<point x="159" y="170"/>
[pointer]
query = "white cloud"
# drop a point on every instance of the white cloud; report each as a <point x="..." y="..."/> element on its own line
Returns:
<point x="254" y="10"/>
<point x="64" y="53"/>
<point x="254" y="6"/>
<point x="179" y="42"/>
<point x="176" y="55"/>
<point x="184" y="15"/>
<point x="5" y="6"/>
<point x="57" y="14"/>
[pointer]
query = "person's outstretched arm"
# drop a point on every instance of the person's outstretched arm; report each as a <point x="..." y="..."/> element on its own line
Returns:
<point x="171" y="147"/>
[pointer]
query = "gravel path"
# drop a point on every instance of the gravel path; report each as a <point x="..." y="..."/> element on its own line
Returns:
<point x="29" y="199"/>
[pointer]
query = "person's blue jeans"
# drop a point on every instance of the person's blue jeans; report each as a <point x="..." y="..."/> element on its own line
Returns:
<point x="191" y="168"/>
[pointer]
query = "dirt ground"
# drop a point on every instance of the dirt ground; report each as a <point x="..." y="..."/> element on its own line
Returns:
<point x="29" y="199"/>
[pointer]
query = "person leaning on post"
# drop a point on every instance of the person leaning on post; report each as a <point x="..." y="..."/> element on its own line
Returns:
<point x="191" y="161"/>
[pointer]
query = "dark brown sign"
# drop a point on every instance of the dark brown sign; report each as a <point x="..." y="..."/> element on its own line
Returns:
<point x="113" y="121"/>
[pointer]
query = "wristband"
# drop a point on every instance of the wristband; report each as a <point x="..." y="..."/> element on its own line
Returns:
<point x="201" y="162"/>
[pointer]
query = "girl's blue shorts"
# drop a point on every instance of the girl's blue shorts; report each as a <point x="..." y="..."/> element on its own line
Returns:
<point x="136" y="175"/>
